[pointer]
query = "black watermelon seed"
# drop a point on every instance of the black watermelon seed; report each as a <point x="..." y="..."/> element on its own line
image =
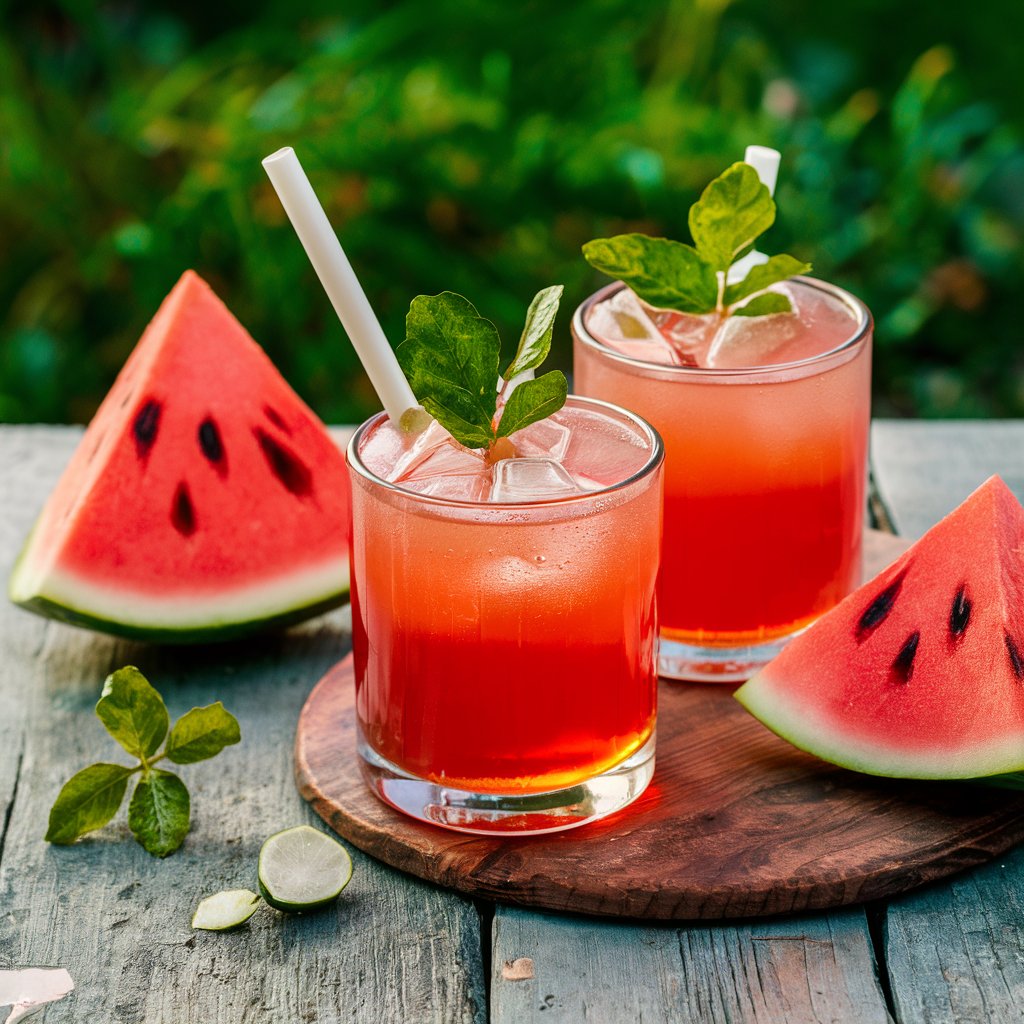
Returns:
<point x="877" y="612"/>
<point x="276" y="418"/>
<point x="1016" y="660"/>
<point x="293" y="473"/>
<point x="960" y="613"/>
<point x="210" y="442"/>
<point x="903" y="666"/>
<point x="183" y="513"/>
<point x="147" y="421"/>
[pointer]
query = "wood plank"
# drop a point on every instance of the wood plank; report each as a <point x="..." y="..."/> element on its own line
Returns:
<point x="924" y="469"/>
<point x="117" y="919"/>
<point x="35" y="454"/>
<point x="795" y="971"/>
<point x="953" y="950"/>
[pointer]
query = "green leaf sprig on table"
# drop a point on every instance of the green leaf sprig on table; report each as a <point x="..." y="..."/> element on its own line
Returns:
<point x="733" y="211"/>
<point x="134" y="713"/>
<point x="451" y="357"/>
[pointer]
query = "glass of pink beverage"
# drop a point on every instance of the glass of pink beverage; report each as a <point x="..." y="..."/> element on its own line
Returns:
<point x="765" y="466"/>
<point x="504" y="619"/>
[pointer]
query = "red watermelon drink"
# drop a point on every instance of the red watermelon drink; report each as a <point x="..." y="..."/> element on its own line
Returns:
<point x="505" y="551"/>
<point x="504" y="623"/>
<point x="765" y="422"/>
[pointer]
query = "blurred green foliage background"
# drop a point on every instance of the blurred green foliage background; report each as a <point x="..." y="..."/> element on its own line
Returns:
<point x="475" y="145"/>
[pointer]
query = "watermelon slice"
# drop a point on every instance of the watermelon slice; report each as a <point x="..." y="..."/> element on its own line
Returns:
<point x="919" y="673"/>
<point x="205" y="499"/>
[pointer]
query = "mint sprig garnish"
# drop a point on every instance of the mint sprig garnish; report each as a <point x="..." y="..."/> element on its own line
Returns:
<point x="135" y="715"/>
<point x="731" y="214"/>
<point x="666" y="274"/>
<point x="451" y="356"/>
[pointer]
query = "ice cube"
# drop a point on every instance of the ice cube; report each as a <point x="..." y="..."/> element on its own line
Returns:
<point x="623" y="324"/>
<point x="548" y="438"/>
<point x="436" y="452"/>
<point x="454" y="486"/>
<point x="603" y="452"/>
<point x="436" y="464"/>
<point x="690" y="336"/>
<point x="446" y="459"/>
<point x="531" y="479"/>
<point x="758" y="340"/>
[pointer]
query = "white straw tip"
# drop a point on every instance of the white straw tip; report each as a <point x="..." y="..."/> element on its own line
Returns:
<point x="285" y="153"/>
<point x="766" y="162"/>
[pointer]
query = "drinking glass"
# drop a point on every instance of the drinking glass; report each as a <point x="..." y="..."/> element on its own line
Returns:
<point x="765" y="468"/>
<point x="504" y="620"/>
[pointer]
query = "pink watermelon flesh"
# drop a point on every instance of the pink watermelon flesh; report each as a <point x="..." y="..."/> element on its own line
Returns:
<point x="919" y="673"/>
<point x="204" y="499"/>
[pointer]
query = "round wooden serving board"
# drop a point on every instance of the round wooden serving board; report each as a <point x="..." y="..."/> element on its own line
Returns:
<point x="736" y="823"/>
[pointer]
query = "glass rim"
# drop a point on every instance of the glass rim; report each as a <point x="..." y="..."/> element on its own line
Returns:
<point x="863" y="329"/>
<point x="655" y="457"/>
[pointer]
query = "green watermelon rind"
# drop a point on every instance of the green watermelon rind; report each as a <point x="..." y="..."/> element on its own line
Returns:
<point x="763" y="697"/>
<point x="185" y="635"/>
<point x="40" y="603"/>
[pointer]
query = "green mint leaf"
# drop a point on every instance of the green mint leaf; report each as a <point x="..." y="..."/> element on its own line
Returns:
<point x="533" y="400"/>
<point x="202" y="733"/>
<point x="87" y="801"/>
<point x="159" y="813"/>
<point x="535" y="343"/>
<point x="731" y="212"/>
<point x="762" y="305"/>
<point x="470" y="435"/>
<point x="450" y="357"/>
<point x="665" y="274"/>
<point x="133" y="712"/>
<point x="778" y="268"/>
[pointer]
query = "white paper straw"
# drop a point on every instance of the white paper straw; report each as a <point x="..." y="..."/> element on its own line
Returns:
<point x="766" y="162"/>
<point x="340" y="282"/>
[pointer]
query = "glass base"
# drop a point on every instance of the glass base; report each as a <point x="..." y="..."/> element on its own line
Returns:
<point x="707" y="664"/>
<point x="498" y="813"/>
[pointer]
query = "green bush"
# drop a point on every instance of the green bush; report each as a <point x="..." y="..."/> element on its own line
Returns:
<point x="474" y="146"/>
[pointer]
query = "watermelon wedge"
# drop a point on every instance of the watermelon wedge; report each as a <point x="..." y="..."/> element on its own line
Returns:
<point x="920" y="672"/>
<point x="205" y="499"/>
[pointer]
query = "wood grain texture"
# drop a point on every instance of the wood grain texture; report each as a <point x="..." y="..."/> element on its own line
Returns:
<point x="798" y="971"/>
<point x="26" y="454"/>
<point x="737" y="823"/>
<point x="954" y="951"/>
<point x="924" y="469"/>
<point x="393" y="949"/>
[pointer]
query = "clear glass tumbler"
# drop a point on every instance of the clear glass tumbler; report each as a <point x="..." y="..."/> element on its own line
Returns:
<point x="505" y="639"/>
<point x="765" y="475"/>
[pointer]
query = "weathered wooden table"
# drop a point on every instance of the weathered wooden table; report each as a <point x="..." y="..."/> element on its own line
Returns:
<point x="396" y="949"/>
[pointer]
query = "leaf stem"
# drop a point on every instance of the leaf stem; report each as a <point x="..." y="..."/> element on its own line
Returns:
<point x="146" y="764"/>
<point x="720" y="301"/>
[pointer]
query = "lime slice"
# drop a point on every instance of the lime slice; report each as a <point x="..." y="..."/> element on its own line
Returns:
<point x="302" y="869"/>
<point x="225" y="910"/>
